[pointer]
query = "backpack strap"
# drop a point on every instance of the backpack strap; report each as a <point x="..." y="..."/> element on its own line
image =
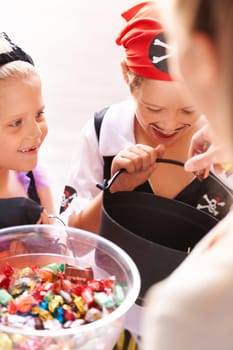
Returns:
<point x="98" y="118"/>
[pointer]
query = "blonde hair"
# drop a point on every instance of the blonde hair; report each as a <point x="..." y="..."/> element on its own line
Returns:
<point x="16" y="70"/>
<point x="134" y="81"/>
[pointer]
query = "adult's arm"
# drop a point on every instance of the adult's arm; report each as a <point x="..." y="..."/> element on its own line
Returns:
<point x="192" y="309"/>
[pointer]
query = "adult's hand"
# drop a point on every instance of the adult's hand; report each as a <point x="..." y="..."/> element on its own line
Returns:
<point x="204" y="152"/>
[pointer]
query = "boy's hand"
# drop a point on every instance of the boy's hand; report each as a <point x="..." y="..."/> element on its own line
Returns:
<point x="139" y="161"/>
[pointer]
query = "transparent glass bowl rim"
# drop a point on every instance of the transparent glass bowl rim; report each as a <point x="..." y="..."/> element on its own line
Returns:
<point x="101" y="323"/>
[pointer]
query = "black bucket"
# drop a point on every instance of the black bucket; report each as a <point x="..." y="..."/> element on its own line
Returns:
<point x="155" y="231"/>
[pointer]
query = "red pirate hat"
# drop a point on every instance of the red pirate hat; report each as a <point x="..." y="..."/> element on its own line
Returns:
<point x="144" y="42"/>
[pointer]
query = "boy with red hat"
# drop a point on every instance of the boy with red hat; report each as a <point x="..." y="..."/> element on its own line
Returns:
<point x="159" y="120"/>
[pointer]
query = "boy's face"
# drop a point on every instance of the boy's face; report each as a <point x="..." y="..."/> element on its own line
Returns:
<point x="165" y="110"/>
<point x="23" y="127"/>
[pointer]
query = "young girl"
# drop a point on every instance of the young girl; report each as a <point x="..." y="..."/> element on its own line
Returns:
<point x="25" y="196"/>
<point x="193" y="308"/>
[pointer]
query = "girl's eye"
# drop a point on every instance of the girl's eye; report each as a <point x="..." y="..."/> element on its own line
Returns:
<point x="40" y="115"/>
<point x="15" y="123"/>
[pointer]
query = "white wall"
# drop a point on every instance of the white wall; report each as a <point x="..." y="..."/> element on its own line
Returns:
<point x="73" y="45"/>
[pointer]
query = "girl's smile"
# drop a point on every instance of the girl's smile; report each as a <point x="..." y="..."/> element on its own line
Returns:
<point x="29" y="150"/>
<point x="22" y="123"/>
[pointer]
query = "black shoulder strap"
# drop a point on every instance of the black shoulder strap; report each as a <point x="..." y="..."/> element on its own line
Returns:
<point x="32" y="192"/>
<point x="98" y="118"/>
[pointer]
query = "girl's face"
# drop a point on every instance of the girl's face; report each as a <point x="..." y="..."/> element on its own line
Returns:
<point x="22" y="122"/>
<point x="164" y="110"/>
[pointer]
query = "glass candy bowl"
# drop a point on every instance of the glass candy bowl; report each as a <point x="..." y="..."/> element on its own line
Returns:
<point x="33" y="246"/>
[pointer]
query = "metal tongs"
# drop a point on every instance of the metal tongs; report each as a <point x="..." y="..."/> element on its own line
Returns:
<point x="108" y="183"/>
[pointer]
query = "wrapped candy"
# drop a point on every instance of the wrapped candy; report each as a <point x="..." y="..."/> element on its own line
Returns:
<point x="55" y="296"/>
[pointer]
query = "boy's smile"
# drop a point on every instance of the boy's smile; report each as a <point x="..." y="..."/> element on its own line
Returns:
<point x="164" y="110"/>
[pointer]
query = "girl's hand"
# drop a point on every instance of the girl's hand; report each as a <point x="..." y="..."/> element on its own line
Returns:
<point x="139" y="163"/>
<point x="44" y="218"/>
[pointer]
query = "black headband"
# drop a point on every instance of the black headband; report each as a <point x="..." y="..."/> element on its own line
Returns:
<point x="17" y="54"/>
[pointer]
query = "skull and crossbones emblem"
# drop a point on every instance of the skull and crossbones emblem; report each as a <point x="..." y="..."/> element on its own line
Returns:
<point x="157" y="59"/>
<point x="211" y="204"/>
<point x="160" y="52"/>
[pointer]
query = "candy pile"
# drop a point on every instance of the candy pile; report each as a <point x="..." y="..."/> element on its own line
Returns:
<point x="55" y="296"/>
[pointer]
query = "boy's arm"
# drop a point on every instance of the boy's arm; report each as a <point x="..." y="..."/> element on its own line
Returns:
<point x="89" y="218"/>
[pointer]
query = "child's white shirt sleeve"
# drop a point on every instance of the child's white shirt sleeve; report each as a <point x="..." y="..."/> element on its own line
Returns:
<point x="88" y="163"/>
<point x="87" y="169"/>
